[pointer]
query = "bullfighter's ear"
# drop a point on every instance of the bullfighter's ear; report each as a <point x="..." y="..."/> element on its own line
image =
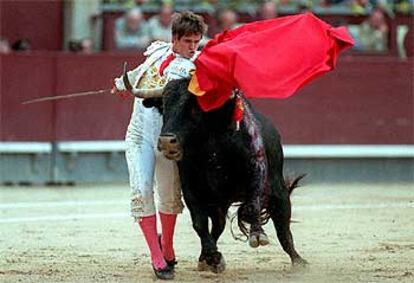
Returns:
<point x="194" y="87"/>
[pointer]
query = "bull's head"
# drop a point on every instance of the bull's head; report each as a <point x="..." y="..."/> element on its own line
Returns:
<point x="181" y="119"/>
<point x="185" y="126"/>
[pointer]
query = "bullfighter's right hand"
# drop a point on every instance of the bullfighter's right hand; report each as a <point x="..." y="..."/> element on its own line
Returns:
<point x="119" y="88"/>
<point x="119" y="84"/>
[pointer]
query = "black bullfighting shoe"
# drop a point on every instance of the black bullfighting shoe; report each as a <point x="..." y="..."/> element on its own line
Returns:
<point x="170" y="263"/>
<point x="165" y="273"/>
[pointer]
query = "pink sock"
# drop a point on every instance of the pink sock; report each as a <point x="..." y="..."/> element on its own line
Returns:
<point x="149" y="229"/>
<point x="168" y="226"/>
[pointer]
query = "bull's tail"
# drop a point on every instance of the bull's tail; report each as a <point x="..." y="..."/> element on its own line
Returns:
<point x="293" y="184"/>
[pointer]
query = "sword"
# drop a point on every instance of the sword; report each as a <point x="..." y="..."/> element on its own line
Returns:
<point x="85" y="93"/>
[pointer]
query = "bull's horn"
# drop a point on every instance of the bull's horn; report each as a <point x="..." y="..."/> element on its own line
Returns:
<point x="125" y="78"/>
<point x="147" y="93"/>
<point x="141" y="93"/>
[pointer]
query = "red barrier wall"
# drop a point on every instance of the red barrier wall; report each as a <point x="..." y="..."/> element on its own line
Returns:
<point x="27" y="76"/>
<point x="24" y="76"/>
<point x="94" y="117"/>
<point x="366" y="100"/>
<point x="41" y="21"/>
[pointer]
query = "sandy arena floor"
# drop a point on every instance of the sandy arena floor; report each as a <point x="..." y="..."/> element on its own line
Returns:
<point x="348" y="233"/>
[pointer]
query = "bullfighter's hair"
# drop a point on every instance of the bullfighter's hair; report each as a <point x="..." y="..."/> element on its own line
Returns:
<point x="188" y="23"/>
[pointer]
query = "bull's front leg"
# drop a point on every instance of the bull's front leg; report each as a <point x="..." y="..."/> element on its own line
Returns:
<point x="210" y="258"/>
<point x="218" y="221"/>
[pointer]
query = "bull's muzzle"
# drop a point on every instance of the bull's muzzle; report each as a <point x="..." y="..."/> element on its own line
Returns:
<point x="168" y="144"/>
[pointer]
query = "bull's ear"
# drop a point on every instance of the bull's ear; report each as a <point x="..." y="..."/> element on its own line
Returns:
<point x="152" y="102"/>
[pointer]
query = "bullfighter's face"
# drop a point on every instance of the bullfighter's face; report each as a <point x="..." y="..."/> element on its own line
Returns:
<point x="186" y="45"/>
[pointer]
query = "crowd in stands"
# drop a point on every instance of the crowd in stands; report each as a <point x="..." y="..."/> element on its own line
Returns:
<point x="354" y="6"/>
<point x="372" y="34"/>
<point x="83" y="46"/>
<point x="133" y="31"/>
<point x="18" y="46"/>
<point x="139" y="25"/>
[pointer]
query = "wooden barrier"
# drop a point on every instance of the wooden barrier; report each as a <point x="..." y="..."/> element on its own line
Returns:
<point x="366" y="100"/>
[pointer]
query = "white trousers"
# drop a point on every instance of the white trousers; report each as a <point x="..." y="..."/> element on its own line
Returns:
<point x="145" y="162"/>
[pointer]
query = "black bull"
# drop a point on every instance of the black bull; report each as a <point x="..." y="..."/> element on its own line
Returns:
<point x="219" y="166"/>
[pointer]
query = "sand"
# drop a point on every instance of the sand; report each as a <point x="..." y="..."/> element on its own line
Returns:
<point x="348" y="233"/>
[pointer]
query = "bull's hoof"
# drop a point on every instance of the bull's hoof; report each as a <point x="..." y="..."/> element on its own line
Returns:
<point x="258" y="239"/>
<point x="218" y="267"/>
<point x="299" y="262"/>
<point x="202" y="265"/>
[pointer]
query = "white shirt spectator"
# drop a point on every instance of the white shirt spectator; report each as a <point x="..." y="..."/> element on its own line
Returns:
<point x="131" y="31"/>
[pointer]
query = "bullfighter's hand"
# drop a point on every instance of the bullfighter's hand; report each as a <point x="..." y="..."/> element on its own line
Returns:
<point x="119" y="89"/>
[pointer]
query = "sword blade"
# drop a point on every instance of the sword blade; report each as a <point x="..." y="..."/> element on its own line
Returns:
<point x="66" y="96"/>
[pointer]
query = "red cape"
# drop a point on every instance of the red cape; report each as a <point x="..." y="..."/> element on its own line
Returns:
<point x="268" y="59"/>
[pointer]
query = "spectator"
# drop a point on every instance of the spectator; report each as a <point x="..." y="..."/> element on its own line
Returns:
<point x="226" y="20"/>
<point x="404" y="6"/>
<point x="74" y="46"/>
<point x="84" y="46"/>
<point x="284" y="2"/>
<point x="125" y="3"/>
<point x="360" y="6"/>
<point x="159" y="26"/>
<point x="22" y="45"/>
<point x="131" y="31"/>
<point x="268" y="10"/>
<point x="304" y="5"/>
<point x="373" y="33"/>
<point x="4" y="46"/>
<point x="326" y="3"/>
<point x="87" y="46"/>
